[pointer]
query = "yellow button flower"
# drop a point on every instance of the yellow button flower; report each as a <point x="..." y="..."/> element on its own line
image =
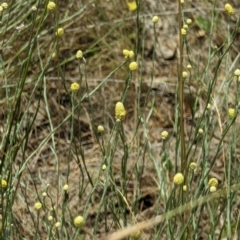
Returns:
<point x="3" y="183"/>
<point x="229" y="9"/>
<point x="133" y="66"/>
<point x="183" y="31"/>
<point x="78" y="221"/>
<point x="178" y="178"/>
<point x="60" y="32"/>
<point x="136" y="235"/>
<point x="4" y="5"/>
<point x="131" y="54"/>
<point x="213" y="182"/>
<point x="51" y="6"/>
<point x="164" y="135"/>
<point x="237" y="72"/>
<point x="75" y="87"/>
<point x="184" y="74"/>
<point x="185" y="188"/>
<point x="100" y="129"/>
<point x="120" y="111"/>
<point x="79" y="54"/>
<point x="231" y="112"/>
<point x="155" y="19"/>
<point x="38" y="206"/>
<point x="65" y="187"/>
<point x="189" y="21"/>
<point x="132" y="5"/>
<point x="192" y="165"/>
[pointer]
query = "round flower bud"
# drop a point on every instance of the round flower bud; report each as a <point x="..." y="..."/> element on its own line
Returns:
<point x="155" y="19"/>
<point x="133" y="66"/>
<point x="75" y="87"/>
<point x="208" y="106"/>
<point x="192" y="165"/>
<point x="44" y="194"/>
<point x="132" y="5"/>
<point x="34" y="8"/>
<point x="136" y="235"/>
<point x="60" y="32"/>
<point x="100" y="129"/>
<point x="50" y="218"/>
<point x="4" y="5"/>
<point x="65" y="187"/>
<point x="79" y="54"/>
<point x="200" y="131"/>
<point x="78" y="221"/>
<point x="125" y="53"/>
<point x="38" y="206"/>
<point x="3" y="183"/>
<point x="183" y="31"/>
<point x="185" y="26"/>
<point x="185" y="188"/>
<point x="184" y="74"/>
<point x="131" y="54"/>
<point x="229" y="9"/>
<point x="182" y="1"/>
<point x="189" y="66"/>
<point x="213" y="182"/>
<point x="1" y="9"/>
<point x="57" y="224"/>
<point x="237" y="72"/>
<point x="120" y="111"/>
<point x="213" y="189"/>
<point x="164" y="135"/>
<point x="231" y="112"/>
<point x="51" y="6"/>
<point x="189" y="21"/>
<point x="178" y="178"/>
<point x="104" y="167"/>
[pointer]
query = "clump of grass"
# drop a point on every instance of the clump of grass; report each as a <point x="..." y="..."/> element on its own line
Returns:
<point x="72" y="168"/>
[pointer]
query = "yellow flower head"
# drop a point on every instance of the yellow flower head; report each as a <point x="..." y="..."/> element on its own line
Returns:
<point x="185" y="188"/>
<point x="178" y="178"/>
<point x="60" y="32"/>
<point x="65" y="187"/>
<point x="185" y="26"/>
<point x="213" y="189"/>
<point x="208" y="106"/>
<point x="155" y="19"/>
<point x="237" y="72"/>
<point x="4" y="5"/>
<point x="120" y="111"/>
<point x="183" y="31"/>
<point x="229" y="9"/>
<point x="189" y="66"/>
<point x="213" y="182"/>
<point x="1" y="9"/>
<point x="100" y="129"/>
<point x="200" y="131"/>
<point x="136" y="235"/>
<point x="79" y="54"/>
<point x="192" y="165"/>
<point x="182" y="1"/>
<point x="51" y="6"/>
<point x="189" y="21"/>
<point x="104" y="167"/>
<point x="164" y="135"/>
<point x="38" y="206"/>
<point x="50" y="218"/>
<point x="131" y="54"/>
<point x="133" y="66"/>
<point x="78" y="221"/>
<point x="57" y="224"/>
<point x="44" y="194"/>
<point x="184" y="74"/>
<point x="132" y="5"/>
<point x="231" y="112"/>
<point x="75" y="87"/>
<point x="125" y="53"/>
<point x="3" y="183"/>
